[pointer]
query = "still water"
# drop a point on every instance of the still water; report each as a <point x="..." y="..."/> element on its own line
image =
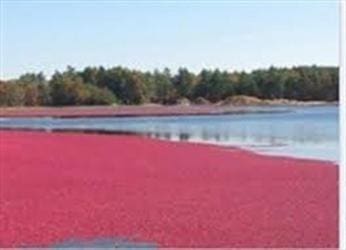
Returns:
<point x="303" y="132"/>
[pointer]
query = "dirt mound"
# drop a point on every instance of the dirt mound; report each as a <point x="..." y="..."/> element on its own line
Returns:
<point x="201" y="101"/>
<point x="183" y="101"/>
<point x="242" y="100"/>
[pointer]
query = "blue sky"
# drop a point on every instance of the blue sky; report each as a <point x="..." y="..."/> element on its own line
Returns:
<point x="234" y="35"/>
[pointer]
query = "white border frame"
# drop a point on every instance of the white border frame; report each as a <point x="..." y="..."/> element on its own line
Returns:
<point x="342" y="123"/>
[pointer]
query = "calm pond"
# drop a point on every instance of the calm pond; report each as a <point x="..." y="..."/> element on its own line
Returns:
<point x="304" y="132"/>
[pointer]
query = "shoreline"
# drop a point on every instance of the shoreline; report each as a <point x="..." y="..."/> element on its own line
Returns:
<point x="148" y="136"/>
<point x="161" y="195"/>
<point x="145" y="110"/>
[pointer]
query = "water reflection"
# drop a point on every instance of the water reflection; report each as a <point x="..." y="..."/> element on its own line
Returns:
<point x="307" y="132"/>
<point x="184" y="136"/>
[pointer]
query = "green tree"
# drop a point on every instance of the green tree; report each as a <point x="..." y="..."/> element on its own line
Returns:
<point x="183" y="83"/>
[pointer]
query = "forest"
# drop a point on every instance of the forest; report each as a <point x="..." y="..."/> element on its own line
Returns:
<point x="120" y="85"/>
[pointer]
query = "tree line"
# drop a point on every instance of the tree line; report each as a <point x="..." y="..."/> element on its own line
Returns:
<point x="119" y="85"/>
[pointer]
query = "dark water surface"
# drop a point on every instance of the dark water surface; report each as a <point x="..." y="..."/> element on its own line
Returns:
<point x="304" y="132"/>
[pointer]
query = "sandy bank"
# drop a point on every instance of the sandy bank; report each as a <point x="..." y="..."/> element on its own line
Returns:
<point x="141" y="110"/>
